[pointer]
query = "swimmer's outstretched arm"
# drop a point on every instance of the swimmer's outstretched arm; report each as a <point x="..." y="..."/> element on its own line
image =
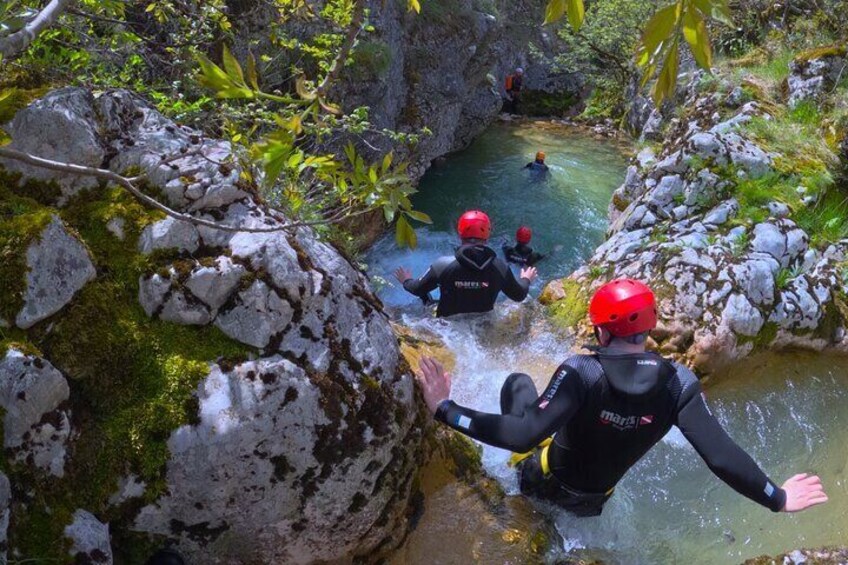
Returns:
<point x="734" y="466"/>
<point x="520" y="434"/>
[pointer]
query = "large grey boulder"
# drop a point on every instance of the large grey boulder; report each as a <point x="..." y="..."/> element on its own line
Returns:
<point x="272" y="470"/>
<point x="36" y="424"/>
<point x="59" y="266"/>
<point x="90" y="537"/>
<point x="317" y="437"/>
<point x="65" y="122"/>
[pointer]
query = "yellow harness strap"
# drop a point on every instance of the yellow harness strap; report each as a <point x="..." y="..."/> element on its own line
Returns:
<point x="517" y="458"/>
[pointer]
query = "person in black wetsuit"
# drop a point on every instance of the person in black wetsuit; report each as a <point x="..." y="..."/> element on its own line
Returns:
<point x="472" y="279"/>
<point x="605" y="411"/>
<point x="538" y="166"/>
<point x="521" y="253"/>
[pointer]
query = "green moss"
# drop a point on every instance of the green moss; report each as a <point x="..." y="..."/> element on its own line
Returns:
<point x="22" y="220"/>
<point x="819" y="52"/>
<point x="568" y="311"/>
<point x="133" y="379"/>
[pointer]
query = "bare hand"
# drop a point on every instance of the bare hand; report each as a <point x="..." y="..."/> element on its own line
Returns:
<point x="802" y="492"/>
<point x="402" y="275"/>
<point x="529" y="273"/>
<point x="435" y="382"/>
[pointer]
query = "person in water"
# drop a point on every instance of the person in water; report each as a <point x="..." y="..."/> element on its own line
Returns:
<point x="521" y="253"/>
<point x="538" y="165"/>
<point x="602" y="412"/>
<point x="513" y="85"/>
<point x="471" y="280"/>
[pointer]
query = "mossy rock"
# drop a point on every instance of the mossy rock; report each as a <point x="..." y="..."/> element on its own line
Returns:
<point x="133" y="379"/>
<point x="836" y="50"/>
<point x="567" y="302"/>
<point x="22" y="220"/>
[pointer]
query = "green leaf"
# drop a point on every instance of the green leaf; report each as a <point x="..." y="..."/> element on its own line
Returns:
<point x="667" y="79"/>
<point x="372" y="175"/>
<point x="420" y="216"/>
<point x="252" y="75"/>
<point x="696" y="35"/>
<point x="716" y="9"/>
<point x="388" y="213"/>
<point x="212" y="76"/>
<point x="554" y="11"/>
<point x="231" y="65"/>
<point x="576" y="12"/>
<point x="405" y="235"/>
<point x="387" y="161"/>
<point x="657" y="31"/>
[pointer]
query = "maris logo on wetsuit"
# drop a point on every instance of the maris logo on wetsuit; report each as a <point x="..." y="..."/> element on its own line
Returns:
<point x="620" y="422"/>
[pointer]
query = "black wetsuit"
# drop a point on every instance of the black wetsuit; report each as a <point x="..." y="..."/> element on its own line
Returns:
<point x="521" y="254"/>
<point x="605" y="411"/>
<point x="469" y="282"/>
<point x="537" y="167"/>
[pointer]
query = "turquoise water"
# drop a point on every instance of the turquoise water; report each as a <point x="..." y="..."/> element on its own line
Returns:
<point x="786" y="411"/>
<point x="567" y="210"/>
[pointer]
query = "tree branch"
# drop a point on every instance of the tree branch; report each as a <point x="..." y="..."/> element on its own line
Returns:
<point x="349" y="41"/>
<point x="20" y="40"/>
<point x="127" y="184"/>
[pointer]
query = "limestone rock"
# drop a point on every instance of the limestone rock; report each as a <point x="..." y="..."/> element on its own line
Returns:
<point x="258" y="315"/>
<point x="169" y="233"/>
<point x="213" y="285"/>
<point x="59" y="266"/>
<point x="809" y="79"/>
<point x="722" y="212"/>
<point x="36" y="425"/>
<point x="90" y="537"/>
<point x="741" y="316"/>
<point x="279" y="463"/>
<point x="152" y="291"/>
<point x="61" y="127"/>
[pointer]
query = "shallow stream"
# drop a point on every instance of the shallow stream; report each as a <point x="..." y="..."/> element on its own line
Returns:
<point x="788" y="411"/>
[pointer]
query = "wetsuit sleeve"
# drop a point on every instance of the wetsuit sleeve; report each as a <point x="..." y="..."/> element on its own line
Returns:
<point x="721" y="454"/>
<point x="564" y="395"/>
<point x="515" y="289"/>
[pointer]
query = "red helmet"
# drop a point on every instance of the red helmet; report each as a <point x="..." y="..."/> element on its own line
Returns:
<point x="524" y="235"/>
<point x="624" y="307"/>
<point x="474" y="224"/>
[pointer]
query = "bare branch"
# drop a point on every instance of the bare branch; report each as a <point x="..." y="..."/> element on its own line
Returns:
<point x="20" y="40"/>
<point x="127" y="184"/>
